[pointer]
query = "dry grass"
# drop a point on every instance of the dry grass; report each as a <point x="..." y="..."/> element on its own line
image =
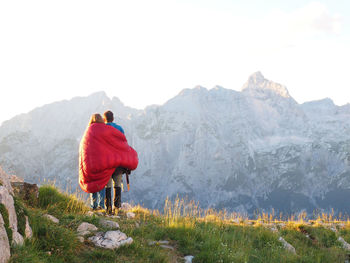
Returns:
<point x="183" y="212"/>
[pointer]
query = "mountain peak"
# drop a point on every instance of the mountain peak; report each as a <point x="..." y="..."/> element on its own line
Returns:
<point x="256" y="77"/>
<point x="257" y="83"/>
<point x="98" y="94"/>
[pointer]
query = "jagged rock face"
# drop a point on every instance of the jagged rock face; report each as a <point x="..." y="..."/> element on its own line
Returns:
<point x="241" y="151"/>
<point x="6" y="199"/>
<point x="8" y="213"/>
<point x="4" y="243"/>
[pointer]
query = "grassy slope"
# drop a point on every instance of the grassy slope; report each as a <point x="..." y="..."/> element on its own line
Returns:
<point x="208" y="239"/>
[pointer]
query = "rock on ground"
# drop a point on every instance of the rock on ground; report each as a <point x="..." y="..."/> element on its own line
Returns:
<point x="111" y="239"/>
<point x="109" y="224"/>
<point x="86" y="228"/>
<point x="287" y="246"/>
<point x="28" y="230"/>
<point x="188" y="259"/>
<point x="167" y="247"/>
<point x="51" y="218"/>
<point x="130" y="215"/>
<point x="89" y="213"/>
<point x="345" y="244"/>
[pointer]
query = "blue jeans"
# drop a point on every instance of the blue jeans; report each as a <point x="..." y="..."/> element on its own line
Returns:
<point x="98" y="199"/>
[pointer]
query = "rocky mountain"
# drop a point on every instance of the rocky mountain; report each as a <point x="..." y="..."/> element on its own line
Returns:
<point x="243" y="151"/>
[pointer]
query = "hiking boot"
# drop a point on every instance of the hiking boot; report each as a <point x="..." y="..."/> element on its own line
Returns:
<point x="115" y="211"/>
<point x="108" y="200"/>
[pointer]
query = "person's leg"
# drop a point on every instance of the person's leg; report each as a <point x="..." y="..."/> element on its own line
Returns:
<point x="117" y="178"/>
<point x="108" y="194"/>
<point x="93" y="200"/>
<point x="101" y="201"/>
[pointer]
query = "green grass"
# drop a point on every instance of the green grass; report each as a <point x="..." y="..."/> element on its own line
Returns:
<point x="207" y="237"/>
<point x="320" y="246"/>
<point x="21" y="212"/>
<point x="57" y="203"/>
<point x="5" y="217"/>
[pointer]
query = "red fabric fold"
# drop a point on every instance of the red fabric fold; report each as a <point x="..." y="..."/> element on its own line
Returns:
<point x="102" y="149"/>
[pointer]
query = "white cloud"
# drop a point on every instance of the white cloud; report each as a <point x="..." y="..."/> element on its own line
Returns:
<point x="315" y="18"/>
<point x="310" y="21"/>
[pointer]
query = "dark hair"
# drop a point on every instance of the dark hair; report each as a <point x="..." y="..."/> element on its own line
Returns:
<point x="108" y="115"/>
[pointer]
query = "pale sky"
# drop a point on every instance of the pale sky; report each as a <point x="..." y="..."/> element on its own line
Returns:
<point x="146" y="52"/>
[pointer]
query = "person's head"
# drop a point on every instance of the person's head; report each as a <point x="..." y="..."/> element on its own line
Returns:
<point x="96" y="118"/>
<point x="108" y="116"/>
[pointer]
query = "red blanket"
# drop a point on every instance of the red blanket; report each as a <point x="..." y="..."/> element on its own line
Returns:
<point x="102" y="149"/>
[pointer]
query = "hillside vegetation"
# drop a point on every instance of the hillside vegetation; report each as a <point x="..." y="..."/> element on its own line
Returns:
<point x="207" y="235"/>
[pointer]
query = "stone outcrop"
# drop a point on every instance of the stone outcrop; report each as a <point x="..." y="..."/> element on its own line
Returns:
<point x="6" y="199"/>
<point x="4" y="243"/>
<point x="26" y="191"/>
<point x="9" y="232"/>
<point x="111" y="239"/>
<point x="5" y="181"/>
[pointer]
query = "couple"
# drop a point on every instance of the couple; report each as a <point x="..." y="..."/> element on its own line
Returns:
<point x="104" y="155"/>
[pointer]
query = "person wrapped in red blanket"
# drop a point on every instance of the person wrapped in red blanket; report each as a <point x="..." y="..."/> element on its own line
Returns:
<point x="102" y="149"/>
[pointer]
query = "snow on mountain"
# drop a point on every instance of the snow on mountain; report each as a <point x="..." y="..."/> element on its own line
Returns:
<point x="248" y="150"/>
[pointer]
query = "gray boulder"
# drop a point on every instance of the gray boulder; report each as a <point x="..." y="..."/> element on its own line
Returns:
<point x="111" y="239"/>
<point x="345" y="244"/>
<point x="109" y="224"/>
<point x="86" y="229"/>
<point x="287" y="246"/>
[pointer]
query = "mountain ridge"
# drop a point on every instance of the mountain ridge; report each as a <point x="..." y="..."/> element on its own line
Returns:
<point x="226" y="149"/>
